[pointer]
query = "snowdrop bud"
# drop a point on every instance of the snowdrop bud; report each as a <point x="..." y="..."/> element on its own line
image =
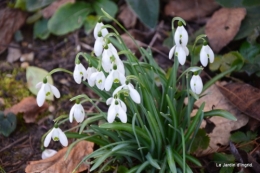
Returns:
<point x="48" y="153"/>
<point x="205" y="54"/>
<point x="77" y="111"/>
<point x="196" y="84"/>
<point x="98" y="46"/>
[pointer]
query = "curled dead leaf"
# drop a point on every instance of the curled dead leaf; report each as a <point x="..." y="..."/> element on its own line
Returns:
<point x="220" y="135"/>
<point x="244" y="97"/>
<point x="10" y="21"/>
<point x="223" y="26"/>
<point x="190" y="9"/>
<point x="51" y="9"/>
<point x="29" y="108"/>
<point x="59" y="164"/>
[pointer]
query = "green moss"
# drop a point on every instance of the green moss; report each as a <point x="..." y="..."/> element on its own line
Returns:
<point x="12" y="90"/>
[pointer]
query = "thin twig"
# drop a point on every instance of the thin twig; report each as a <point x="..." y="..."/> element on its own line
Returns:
<point x="10" y="145"/>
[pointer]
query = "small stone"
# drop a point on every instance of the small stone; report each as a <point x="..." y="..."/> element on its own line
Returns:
<point x="25" y="65"/>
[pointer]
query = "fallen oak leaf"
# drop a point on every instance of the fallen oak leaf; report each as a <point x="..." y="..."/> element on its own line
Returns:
<point x="244" y="97"/>
<point x="51" y="9"/>
<point x="223" y="26"/>
<point x="59" y="164"/>
<point x="29" y="108"/>
<point x="10" y="21"/>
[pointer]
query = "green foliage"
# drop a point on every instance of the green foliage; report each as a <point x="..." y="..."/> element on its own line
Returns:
<point x="109" y="6"/>
<point x="40" y="29"/>
<point x="227" y="61"/>
<point x="221" y="158"/>
<point x="146" y="10"/>
<point x="33" y="5"/>
<point x="7" y="123"/>
<point x="90" y="23"/>
<point x="35" y="75"/>
<point x="243" y="140"/>
<point x="251" y="55"/>
<point x="69" y="17"/>
<point x="201" y="141"/>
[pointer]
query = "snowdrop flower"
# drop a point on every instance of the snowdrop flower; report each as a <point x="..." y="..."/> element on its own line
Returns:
<point x="97" y="78"/>
<point x="181" y="40"/>
<point x="90" y="71"/>
<point x="97" y="29"/>
<point x="48" y="153"/>
<point x="45" y="90"/>
<point x="79" y="73"/>
<point x="135" y="96"/>
<point x="57" y="135"/>
<point x="196" y="84"/>
<point x="181" y="52"/>
<point x="110" y="57"/>
<point x="98" y="46"/>
<point x="78" y="112"/>
<point x="205" y="54"/>
<point x="117" y="109"/>
<point x="181" y="35"/>
<point x="115" y="76"/>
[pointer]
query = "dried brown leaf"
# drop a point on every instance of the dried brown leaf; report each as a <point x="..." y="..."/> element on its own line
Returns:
<point x="51" y="9"/>
<point x="59" y="164"/>
<point x="245" y="97"/>
<point x="127" y="16"/>
<point x="223" y="26"/>
<point x="130" y="43"/>
<point x="190" y="9"/>
<point x="221" y="133"/>
<point x="10" y="21"/>
<point x="29" y="108"/>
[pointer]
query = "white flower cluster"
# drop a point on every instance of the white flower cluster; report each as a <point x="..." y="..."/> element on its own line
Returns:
<point x="181" y="51"/>
<point x="111" y="64"/>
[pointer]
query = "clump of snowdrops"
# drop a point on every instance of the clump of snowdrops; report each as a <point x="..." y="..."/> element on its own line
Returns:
<point x="147" y="127"/>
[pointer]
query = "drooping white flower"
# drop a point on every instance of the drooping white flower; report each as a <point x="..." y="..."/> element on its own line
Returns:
<point x="135" y="96"/>
<point x="110" y="58"/>
<point x="181" y="52"/>
<point x="97" y="78"/>
<point x="79" y="73"/>
<point x="115" y="76"/>
<point x="77" y="111"/>
<point x="90" y="71"/>
<point x="112" y="100"/>
<point x="98" y="46"/>
<point x="205" y="54"/>
<point x="45" y="90"/>
<point x="57" y="135"/>
<point x="48" y="153"/>
<point x="181" y="36"/>
<point x="117" y="108"/>
<point x="196" y="84"/>
<point x="97" y="28"/>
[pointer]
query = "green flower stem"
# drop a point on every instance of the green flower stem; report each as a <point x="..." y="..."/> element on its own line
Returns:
<point x="59" y="70"/>
<point x="179" y="19"/>
<point x="136" y="137"/>
<point x="190" y="69"/>
<point x="111" y="27"/>
<point x="84" y="55"/>
<point x="60" y="117"/>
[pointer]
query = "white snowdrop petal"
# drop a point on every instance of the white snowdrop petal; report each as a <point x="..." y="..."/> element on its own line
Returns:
<point x="55" y="91"/>
<point x="122" y="115"/>
<point x="98" y="46"/>
<point x="120" y="66"/>
<point x="134" y="95"/>
<point x="171" y="52"/>
<point x="181" y="55"/>
<point x="92" y="79"/>
<point x="203" y="57"/>
<point x="122" y="78"/>
<point x="199" y="85"/>
<point x="118" y="89"/>
<point x="47" y="139"/>
<point x="192" y="83"/>
<point x="48" y="153"/>
<point x="71" y="113"/>
<point x="100" y="80"/>
<point x="63" y="138"/>
<point x="185" y="37"/>
<point x="109" y="101"/>
<point x="109" y="81"/>
<point x="76" y="74"/>
<point x="111" y="114"/>
<point x="41" y="96"/>
<point x="122" y="104"/>
<point x="104" y="32"/>
<point x="177" y="36"/>
<point x="211" y="55"/>
<point x="97" y="29"/>
<point x="186" y="50"/>
<point x="79" y="113"/>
